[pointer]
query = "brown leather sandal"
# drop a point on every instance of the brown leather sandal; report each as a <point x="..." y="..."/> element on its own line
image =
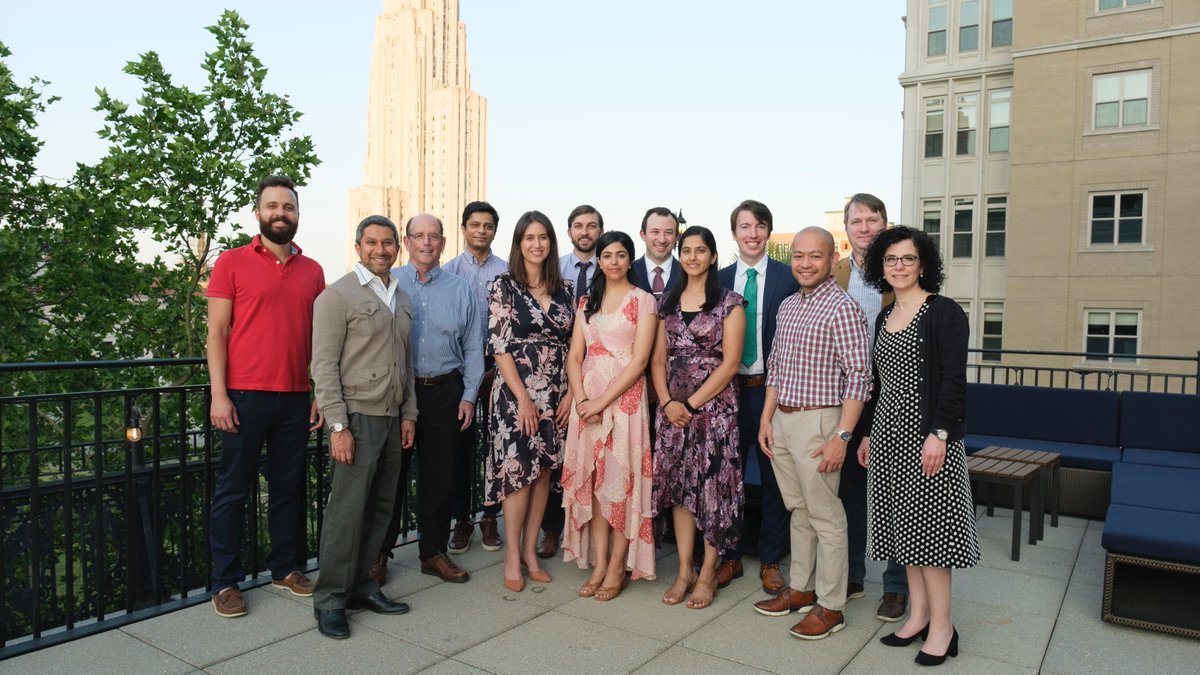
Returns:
<point x="612" y="591"/>
<point x="693" y="603"/>
<point x="670" y="598"/>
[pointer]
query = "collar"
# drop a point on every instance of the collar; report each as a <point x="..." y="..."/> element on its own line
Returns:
<point x="471" y="259"/>
<point x="410" y="271"/>
<point x="760" y="267"/>
<point x="666" y="266"/>
<point x="365" y="276"/>
<point x="820" y="290"/>
<point x="575" y="260"/>
<point x="256" y="242"/>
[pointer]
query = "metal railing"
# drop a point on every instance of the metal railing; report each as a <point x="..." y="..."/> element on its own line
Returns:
<point x="1111" y="372"/>
<point x="104" y="502"/>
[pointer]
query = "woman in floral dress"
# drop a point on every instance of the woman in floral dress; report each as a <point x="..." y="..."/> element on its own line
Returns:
<point x="607" y="469"/>
<point x="530" y="319"/>
<point x="697" y="467"/>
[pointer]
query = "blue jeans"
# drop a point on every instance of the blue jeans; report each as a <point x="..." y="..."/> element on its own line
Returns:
<point x="775" y="528"/>
<point x="853" y="493"/>
<point x="280" y="421"/>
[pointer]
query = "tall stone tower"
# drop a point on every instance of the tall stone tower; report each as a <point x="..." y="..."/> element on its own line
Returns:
<point x="426" y="129"/>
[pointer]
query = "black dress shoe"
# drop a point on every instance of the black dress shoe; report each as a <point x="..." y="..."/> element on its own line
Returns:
<point x="926" y="659"/>
<point x="379" y="603"/>
<point x="332" y="623"/>
<point x="894" y="640"/>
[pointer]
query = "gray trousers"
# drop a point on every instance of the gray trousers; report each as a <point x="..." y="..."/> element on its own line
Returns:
<point x="359" y="509"/>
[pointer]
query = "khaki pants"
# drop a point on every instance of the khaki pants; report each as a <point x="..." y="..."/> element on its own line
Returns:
<point x="818" y="521"/>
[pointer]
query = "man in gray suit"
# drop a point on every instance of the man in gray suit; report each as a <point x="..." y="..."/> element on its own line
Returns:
<point x="363" y="369"/>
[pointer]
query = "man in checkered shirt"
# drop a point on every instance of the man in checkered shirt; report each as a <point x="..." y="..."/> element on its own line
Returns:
<point x="818" y="377"/>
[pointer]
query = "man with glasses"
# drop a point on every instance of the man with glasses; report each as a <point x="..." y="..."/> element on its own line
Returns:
<point x="865" y="216"/>
<point x="448" y="360"/>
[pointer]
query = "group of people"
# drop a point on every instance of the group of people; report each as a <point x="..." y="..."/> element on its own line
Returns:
<point x="623" y="396"/>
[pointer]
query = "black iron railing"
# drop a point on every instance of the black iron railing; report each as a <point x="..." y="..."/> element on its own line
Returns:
<point x="1112" y="372"/>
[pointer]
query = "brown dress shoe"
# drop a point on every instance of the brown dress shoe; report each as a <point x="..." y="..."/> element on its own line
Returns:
<point x="378" y="570"/>
<point x="460" y="537"/>
<point x="786" y="602"/>
<point x="855" y="591"/>
<point x="229" y="603"/>
<point x="727" y="571"/>
<point x="489" y="532"/>
<point x="819" y="623"/>
<point x="442" y="566"/>
<point x="297" y="583"/>
<point x="772" y="578"/>
<point x="892" y="607"/>
<point x="548" y="546"/>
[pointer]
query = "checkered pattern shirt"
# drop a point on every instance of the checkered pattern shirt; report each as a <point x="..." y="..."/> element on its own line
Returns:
<point x="819" y="356"/>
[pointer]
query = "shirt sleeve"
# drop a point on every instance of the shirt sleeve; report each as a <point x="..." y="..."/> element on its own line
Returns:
<point x="500" y="316"/>
<point x="220" y="282"/>
<point x="850" y="341"/>
<point x="953" y="336"/>
<point x="329" y="335"/>
<point x="472" y="348"/>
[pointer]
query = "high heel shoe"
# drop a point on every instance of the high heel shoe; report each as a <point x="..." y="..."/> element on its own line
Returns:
<point x="894" y="640"/>
<point x="515" y="585"/>
<point x="539" y="576"/>
<point x="926" y="659"/>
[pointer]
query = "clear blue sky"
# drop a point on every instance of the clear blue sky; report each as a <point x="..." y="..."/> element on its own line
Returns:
<point x="624" y="105"/>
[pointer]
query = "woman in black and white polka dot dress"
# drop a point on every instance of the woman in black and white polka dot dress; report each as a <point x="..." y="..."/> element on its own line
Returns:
<point x="919" y="494"/>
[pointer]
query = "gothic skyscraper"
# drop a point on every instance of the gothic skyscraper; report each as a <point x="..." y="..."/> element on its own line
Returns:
<point x="426" y="129"/>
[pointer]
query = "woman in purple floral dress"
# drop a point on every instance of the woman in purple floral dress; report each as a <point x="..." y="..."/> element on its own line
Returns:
<point x="697" y="467"/>
<point x="530" y="319"/>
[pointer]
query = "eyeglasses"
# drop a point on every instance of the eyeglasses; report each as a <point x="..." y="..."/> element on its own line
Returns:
<point x="432" y="238"/>
<point x="906" y="260"/>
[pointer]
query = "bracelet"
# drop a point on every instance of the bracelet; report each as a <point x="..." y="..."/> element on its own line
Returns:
<point x="582" y="401"/>
<point x="690" y="408"/>
<point x="669" y="402"/>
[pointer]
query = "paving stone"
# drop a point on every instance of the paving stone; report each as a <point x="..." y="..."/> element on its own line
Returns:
<point x="1054" y="560"/>
<point x="113" y="652"/>
<point x="1000" y="633"/>
<point x="643" y="601"/>
<point x="1010" y="589"/>
<point x="876" y="658"/>
<point x="1092" y="646"/>
<point x="365" y="651"/>
<point x="684" y="661"/>
<point x="1082" y="602"/>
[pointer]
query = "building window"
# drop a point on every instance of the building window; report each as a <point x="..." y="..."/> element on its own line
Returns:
<point x="993" y="329"/>
<point x="1112" y="332"/>
<point x="999" y="108"/>
<point x="935" y="43"/>
<point x="968" y="26"/>
<point x="931" y="221"/>
<point x="967" y="123"/>
<point x="1117" y="4"/>
<point x="1121" y="99"/>
<point x="964" y="212"/>
<point x="1002" y="23"/>
<point x="994" y="227"/>
<point x="1117" y="218"/>
<point x="935" y="115"/>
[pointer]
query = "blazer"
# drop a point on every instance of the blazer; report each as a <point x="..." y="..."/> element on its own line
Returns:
<point x="779" y="285"/>
<point x="362" y="356"/>
<point x="944" y="334"/>
<point x="642" y="279"/>
<point x="841" y="274"/>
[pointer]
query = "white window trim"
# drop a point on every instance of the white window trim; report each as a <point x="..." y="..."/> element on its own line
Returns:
<point x="1150" y="117"/>
<point x="1131" y="364"/>
<point x="1115" y="246"/>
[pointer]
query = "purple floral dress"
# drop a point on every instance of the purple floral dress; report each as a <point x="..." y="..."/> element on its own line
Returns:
<point x="699" y="467"/>
<point x="537" y="342"/>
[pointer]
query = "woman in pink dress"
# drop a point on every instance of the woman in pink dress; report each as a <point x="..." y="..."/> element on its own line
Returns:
<point x="607" y="469"/>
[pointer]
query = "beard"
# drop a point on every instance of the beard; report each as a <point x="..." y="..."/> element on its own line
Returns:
<point x="265" y="228"/>
<point x="585" y="248"/>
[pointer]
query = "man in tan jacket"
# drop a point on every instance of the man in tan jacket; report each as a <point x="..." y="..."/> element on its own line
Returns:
<point x="363" y="369"/>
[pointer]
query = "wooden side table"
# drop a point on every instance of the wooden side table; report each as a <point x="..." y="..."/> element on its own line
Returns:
<point x="993" y="472"/>
<point x="1049" y="482"/>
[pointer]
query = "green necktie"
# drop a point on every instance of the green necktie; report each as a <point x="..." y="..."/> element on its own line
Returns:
<point x="750" y="347"/>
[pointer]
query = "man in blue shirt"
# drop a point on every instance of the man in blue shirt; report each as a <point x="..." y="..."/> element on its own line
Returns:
<point x="478" y="266"/>
<point x="448" y="359"/>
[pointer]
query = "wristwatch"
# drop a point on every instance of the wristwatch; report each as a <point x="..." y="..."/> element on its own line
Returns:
<point x="336" y="427"/>
<point x="941" y="434"/>
<point x="843" y="434"/>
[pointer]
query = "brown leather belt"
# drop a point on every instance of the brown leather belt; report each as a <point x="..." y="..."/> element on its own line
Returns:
<point x="752" y="380"/>
<point x="794" y="409"/>
<point x="438" y="379"/>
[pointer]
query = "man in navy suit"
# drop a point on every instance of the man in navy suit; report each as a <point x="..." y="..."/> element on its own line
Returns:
<point x="658" y="269"/>
<point x="764" y="283"/>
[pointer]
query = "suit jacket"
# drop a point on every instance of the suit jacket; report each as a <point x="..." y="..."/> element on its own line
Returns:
<point x="362" y="358"/>
<point x="779" y="285"/>
<point x="642" y="279"/>
<point x="841" y="274"/>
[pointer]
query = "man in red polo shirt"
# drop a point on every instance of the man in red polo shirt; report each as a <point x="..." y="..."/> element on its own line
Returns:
<point x="260" y="310"/>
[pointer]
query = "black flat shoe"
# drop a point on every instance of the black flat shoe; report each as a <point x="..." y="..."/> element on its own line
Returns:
<point x="926" y="659"/>
<point x="332" y="623"/>
<point x="379" y="603"/>
<point x="894" y="640"/>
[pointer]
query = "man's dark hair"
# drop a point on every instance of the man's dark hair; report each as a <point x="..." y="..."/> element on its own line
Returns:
<point x="659" y="211"/>
<point x="758" y="209"/>
<point x="867" y="201"/>
<point x="381" y="221"/>
<point x="584" y="209"/>
<point x="276" y="180"/>
<point x="932" y="272"/>
<point x="476" y="207"/>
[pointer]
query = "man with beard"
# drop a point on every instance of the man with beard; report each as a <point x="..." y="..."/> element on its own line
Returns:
<point x="363" y="370"/>
<point x="258" y="367"/>
<point x="584" y="227"/>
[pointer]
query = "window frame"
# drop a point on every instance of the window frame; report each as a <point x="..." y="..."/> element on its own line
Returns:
<point x="972" y="131"/>
<point x="1112" y="336"/>
<point x="1000" y="97"/>
<point x="992" y="204"/>
<point x="963" y="27"/>
<point x="997" y="20"/>
<point x="930" y="32"/>
<point x="935" y="104"/>
<point x="932" y="207"/>
<point x="991" y="340"/>
<point x="1116" y="218"/>
<point x="1121" y="101"/>
<point x="1124" y="4"/>
<point x="962" y="205"/>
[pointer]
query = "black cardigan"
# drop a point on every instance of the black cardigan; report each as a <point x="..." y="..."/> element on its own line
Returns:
<point x="944" y="334"/>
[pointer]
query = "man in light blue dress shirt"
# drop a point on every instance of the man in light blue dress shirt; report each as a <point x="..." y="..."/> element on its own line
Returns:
<point x="448" y="359"/>
<point x="478" y="266"/>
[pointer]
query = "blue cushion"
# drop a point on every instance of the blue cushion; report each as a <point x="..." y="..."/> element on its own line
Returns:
<point x="1158" y="487"/>
<point x="1161" y="421"/>
<point x="1183" y="460"/>
<point x="1074" y="455"/>
<point x="751" y="475"/>
<point x="1064" y="415"/>
<point x="1152" y="533"/>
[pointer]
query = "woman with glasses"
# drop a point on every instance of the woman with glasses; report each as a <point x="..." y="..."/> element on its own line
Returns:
<point x="697" y="466"/>
<point x="918" y="490"/>
<point x="607" y="469"/>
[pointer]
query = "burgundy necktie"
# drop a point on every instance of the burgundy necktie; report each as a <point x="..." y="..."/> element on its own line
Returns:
<point x="657" y="286"/>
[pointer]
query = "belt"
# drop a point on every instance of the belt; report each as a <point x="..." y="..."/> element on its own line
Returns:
<point x="802" y="408"/>
<point x="438" y="379"/>
<point x="752" y="380"/>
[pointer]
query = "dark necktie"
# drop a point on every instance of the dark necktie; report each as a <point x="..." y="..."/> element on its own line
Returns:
<point x="657" y="286"/>
<point x="581" y="281"/>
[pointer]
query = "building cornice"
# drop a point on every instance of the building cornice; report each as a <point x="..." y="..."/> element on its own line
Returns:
<point x="1188" y="29"/>
<point x="911" y="78"/>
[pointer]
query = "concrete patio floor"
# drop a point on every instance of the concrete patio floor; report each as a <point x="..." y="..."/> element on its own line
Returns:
<point x="1041" y="614"/>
